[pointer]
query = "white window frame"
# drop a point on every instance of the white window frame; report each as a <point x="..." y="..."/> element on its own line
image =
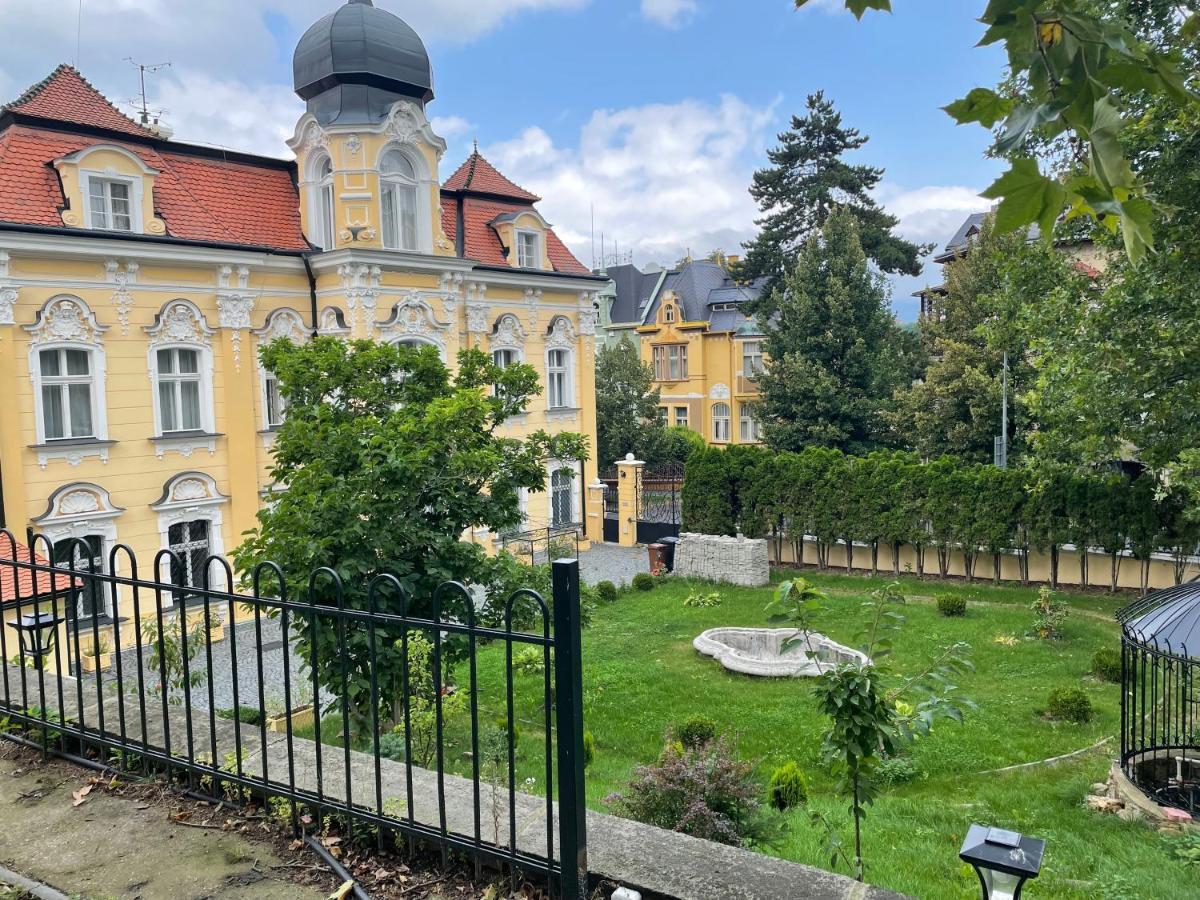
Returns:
<point x="749" y="426"/>
<point x="722" y="423"/>
<point x="269" y="380"/>
<point x="566" y="370"/>
<point x="669" y="313"/>
<point x="572" y="492"/>
<point x="205" y="364"/>
<point x="516" y="360"/>
<point x="668" y="369"/>
<point x="679" y="421"/>
<point x="523" y="260"/>
<point x="191" y="497"/>
<point x="94" y="379"/>
<point x="133" y="184"/>
<point x="750" y="369"/>
<point x="79" y="510"/>
<point x="395" y="186"/>
<point x="322" y="206"/>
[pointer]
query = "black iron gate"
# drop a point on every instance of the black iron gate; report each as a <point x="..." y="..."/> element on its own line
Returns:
<point x="660" y="508"/>
<point x="612" y="505"/>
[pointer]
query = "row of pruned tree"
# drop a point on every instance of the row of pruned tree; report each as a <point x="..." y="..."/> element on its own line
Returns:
<point x="893" y="499"/>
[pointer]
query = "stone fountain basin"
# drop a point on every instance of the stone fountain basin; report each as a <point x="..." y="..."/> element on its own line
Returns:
<point x="759" y="652"/>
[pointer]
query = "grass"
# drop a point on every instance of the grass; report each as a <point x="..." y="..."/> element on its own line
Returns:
<point x="641" y="675"/>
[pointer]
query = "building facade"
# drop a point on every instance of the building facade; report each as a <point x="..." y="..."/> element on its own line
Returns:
<point x="139" y="276"/>
<point x="706" y="353"/>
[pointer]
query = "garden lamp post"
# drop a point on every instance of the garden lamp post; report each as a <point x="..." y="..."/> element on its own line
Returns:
<point x="38" y="632"/>
<point x="1003" y="860"/>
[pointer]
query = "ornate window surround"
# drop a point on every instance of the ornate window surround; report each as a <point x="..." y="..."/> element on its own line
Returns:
<point x="79" y="508"/>
<point x="413" y="319"/>
<point x="67" y="322"/>
<point x="561" y="336"/>
<point x="333" y="323"/>
<point x="190" y="497"/>
<point x="281" y="323"/>
<point x="181" y="325"/>
<point x="552" y="467"/>
<point x="424" y="185"/>
<point x="508" y="334"/>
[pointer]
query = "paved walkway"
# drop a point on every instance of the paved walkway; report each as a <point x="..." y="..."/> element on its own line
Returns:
<point x="608" y="562"/>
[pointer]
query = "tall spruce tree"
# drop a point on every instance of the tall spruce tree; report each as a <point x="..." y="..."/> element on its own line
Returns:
<point x="807" y="180"/>
<point x="831" y="362"/>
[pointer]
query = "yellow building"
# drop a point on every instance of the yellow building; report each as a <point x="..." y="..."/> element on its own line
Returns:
<point x="705" y="351"/>
<point x="139" y="276"/>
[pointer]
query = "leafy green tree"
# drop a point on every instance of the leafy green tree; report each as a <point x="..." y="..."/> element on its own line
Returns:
<point x="807" y="181"/>
<point x="626" y="405"/>
<point x="707" y="495"/>
<point x="1076" y="70"/>
<point x="384" y="461"/>
<point x="826" y="381"/>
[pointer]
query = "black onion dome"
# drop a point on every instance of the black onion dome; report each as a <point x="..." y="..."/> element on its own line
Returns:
<point x="360" y="49"/>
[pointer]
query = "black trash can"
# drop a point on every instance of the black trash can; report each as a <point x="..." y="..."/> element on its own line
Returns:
<point x="669" y="545"/>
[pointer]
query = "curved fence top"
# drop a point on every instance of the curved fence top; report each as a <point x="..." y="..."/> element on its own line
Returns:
<point x="1166" y="620"/>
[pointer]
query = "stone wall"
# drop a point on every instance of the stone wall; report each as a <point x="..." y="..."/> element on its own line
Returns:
<point x="738" y="560"/>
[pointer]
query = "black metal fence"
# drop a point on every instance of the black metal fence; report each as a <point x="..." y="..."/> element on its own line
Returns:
<point x="660" y="504"/>
<point x="426" y="722"/>
<point x="539" y="546"/>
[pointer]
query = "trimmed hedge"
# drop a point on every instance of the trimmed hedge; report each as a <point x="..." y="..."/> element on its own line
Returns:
<point x="892" y="499"/>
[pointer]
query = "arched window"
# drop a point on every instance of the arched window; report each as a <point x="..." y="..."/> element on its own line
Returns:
<point x="324" y="204"/>
<point x="398" y="199"/>
<point x="721" y="418"/>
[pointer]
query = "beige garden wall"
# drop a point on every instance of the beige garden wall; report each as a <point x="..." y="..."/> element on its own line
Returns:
<point x="1162" y="570"/>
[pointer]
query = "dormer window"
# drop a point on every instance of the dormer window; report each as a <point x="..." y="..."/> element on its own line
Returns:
<point x="529" y="250"/>
<point x="110" y="205"/>
<point x="399" y="199"/>
<point x="668" y="313"/>
<point x="324" y="204"/>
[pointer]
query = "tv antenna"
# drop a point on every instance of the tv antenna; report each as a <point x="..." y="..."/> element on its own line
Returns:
<point x="141" y="103"/>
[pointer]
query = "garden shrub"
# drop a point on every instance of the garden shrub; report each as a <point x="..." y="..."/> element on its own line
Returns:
<point x="606" y="592"/>
<point x="1069" y="705"/>
<point x="788" y="787"/>
<point x="697" y="600"/>
<point x="705" y="792"/>
<point x="1051" y="613"/>
<point x="247" y="715"/>
<point x="589" y="749"/>
<point x="895" y="770"/>
<point x="391" y="746"/>
<point x="698" y="731"/>
<point x="530" y="661"/>
<point x="643" y="581"/>
<point x="1106" y="664"/>
<point x="951" y="605"/>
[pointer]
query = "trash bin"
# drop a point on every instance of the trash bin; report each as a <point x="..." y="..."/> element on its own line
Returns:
<point x="669" y="545"/>
<point x="658" y="557"/>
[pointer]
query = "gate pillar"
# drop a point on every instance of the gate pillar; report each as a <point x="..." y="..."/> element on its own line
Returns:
<point x="629" y="480"/>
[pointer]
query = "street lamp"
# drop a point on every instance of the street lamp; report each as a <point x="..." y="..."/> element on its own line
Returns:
<point x="1003" y="860"/>
<point x="38" y="632"/>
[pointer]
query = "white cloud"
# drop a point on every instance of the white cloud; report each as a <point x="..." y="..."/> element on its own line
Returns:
<point x="450" y="127"/>
<point x="669" y="13"/>
<point x="208" y="110"/>
<point x="663" y="178"/>
<point x="933" y="212"/>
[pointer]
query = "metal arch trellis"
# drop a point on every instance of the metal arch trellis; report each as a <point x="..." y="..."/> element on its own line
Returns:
<point x="97" y="716"/>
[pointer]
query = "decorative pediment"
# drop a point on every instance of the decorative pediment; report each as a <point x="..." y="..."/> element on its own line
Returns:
<point x="333" y="322"/>
<point x="561" y="333"/>
<point x="413" y="317"/>
<point x="189" y="489"/>
<point x="284" y="323"/>
<point x="77" y="502"/>
<point x="179" y="322"/>
<point x="508" y="334"/>
<point x="720" y="392"/>
<point x="65" y="319"/>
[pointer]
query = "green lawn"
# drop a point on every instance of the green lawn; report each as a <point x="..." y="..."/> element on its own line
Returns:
<point x="641" y="674"/>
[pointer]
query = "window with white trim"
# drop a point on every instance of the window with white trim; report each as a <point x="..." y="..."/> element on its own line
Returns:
<point x="681" y="417"/>
<point x="180" y="407"/>
<point x="562" y="498"/>
<point x="558" y="378"/>
<point x="86" y="555"/>
<point x="529" y="250"/>
<point x="749" y="428"/>
<point x="324" y="205"/>
<point x="721" y="419"/>
<point x="671" y="362"/>
<point x="68" y="393"/>
<point x="399" y="199"/>
<point x="110" y="204"/>
<point x="191" y="542"/>
<point x="668" y="313"/>
<point x="503" y="359"/>
<point x="275" y="407"/>
<point x="752" y="359"/>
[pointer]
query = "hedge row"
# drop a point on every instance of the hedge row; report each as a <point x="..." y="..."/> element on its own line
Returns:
<point x="894" y="499"/>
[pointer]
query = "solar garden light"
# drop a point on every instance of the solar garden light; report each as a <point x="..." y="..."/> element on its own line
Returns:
<point x="38" y="632"/>
<point x="1003" y="860"/>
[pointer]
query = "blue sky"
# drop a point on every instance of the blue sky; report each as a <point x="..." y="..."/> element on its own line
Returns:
<point x="654" y="112"/>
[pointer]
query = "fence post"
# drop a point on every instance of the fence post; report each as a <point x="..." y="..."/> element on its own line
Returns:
<point x="629" y="477"/>
<point x="568" y="683"/>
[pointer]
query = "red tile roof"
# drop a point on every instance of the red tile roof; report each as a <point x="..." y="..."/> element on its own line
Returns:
<point x="478" y="176"/>
<point x="18" y="583"/>
<point x="199" y="197"/>
<point x="65" y="96"/>
<point x="481" y="241"/>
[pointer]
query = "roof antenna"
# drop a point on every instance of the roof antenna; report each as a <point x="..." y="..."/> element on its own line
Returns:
<point x="142" y="70"/>
<point x="78" y="34"/>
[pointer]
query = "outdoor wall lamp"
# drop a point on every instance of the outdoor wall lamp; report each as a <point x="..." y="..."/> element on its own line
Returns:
<point x="1003" y="860"/>
<point x="38" y="632"/>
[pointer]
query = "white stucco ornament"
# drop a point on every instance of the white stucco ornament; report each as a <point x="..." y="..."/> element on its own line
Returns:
<point x="719" y="392"/>
<point x="8" y="300"/>
<point x="179" y="322"/>
<point x="65" y="320"/>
